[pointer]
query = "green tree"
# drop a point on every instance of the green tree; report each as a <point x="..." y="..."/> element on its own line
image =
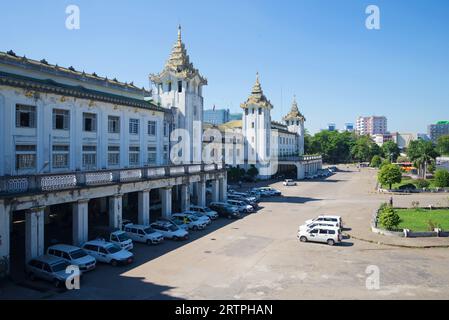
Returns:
<point x="361" y="150"/>
<point x="388" y="218"/>
<point x="421" y="183"/>
<point x="442" y="178"/>
<point x="389" y="174"/>
<point x="252" y="171"/>
<point x="391" y="151"/>
<point x="402" y="159"/>
<point x="376" y="161"/>
<point x="443" y="145"/>
<point x="422" y="153"/>
<point x="375" y="150"/>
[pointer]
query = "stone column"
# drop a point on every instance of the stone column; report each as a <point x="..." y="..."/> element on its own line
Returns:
<point x="80" y="213"/>
<point x="144" y="207"/>
<point x="5" y="224"/>
<point x="115" y="211"/>
<point x="103" y="205"/>
<point x="224" y="189"/>
<point x="34" y="233"/>
<point x="201" y="193"/>
<point x="185" y="197"/>
<point x="166" y="198"/>
<point x="215" y="190"/>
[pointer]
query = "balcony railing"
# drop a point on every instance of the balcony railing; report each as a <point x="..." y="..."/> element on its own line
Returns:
<point x="72" y="180"/>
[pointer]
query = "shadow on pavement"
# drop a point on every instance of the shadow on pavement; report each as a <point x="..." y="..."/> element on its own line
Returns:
<point x="291" y="199"/>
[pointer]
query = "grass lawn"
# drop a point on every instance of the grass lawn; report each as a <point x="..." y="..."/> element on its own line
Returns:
<point x="417" y="219"/>
<point x="407" y="180"/>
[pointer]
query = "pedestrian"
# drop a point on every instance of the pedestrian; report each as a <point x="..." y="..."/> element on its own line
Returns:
<point x="391" y="201"/>
<point x="240" y="183"/>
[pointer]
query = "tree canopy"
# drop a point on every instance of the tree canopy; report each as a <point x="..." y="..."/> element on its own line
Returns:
<point x="389" y="174"/>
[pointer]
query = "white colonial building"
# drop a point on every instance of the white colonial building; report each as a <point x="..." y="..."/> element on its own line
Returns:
<point x="79" y="150"/>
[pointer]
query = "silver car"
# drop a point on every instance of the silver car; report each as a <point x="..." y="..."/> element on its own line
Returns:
<point x="49" y="268"/>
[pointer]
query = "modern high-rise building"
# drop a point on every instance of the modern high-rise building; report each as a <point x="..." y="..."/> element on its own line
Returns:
<point x="434" y="131"/>
<point x="372" y="125"/>
<point x="349" y="127"/>
<point x="331" y="127"/>
<point x="216" y="116"/>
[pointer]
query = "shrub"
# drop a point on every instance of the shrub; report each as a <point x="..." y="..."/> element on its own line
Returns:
<point x="442" y="178"/>
<point x="376" y="161"/>
<point x="421" y="184"/>
<point x="408" y="186"/>
<point x="389" y="219"/>
<point x="433" y="225"/>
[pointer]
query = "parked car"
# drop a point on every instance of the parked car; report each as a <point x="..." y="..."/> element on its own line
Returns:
<point x="246" y="200"/>
<point x="144" y="234"/>
<point x="245" y="195"/>
<point x="117" y="237"/>
<point x="243" y="207"/>
<point x="289" y="182"/>
<point x="324" y="218"/>
<point x="318" y="224"/>
<point x="327" y="235"/>
<point x="200" y="216"/>
<point x="170" y="230"/>
<point x="73" y="255"/>
<point x="205" y="211"/>
<point x="49" y="268"/>
<point x="108" y="252"/>
<point x="192" y="221"/>
<point x="270" y="191"/>
<point x="225" y="210"/>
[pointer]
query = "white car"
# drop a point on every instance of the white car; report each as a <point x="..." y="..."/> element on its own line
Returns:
<point x="318" y="224"/>
<point x="289" y="182"/>
<point x="190" y="220"/>
<point x="170" y="230"/>
<point x="201" y="217"/>
<point x="206" y="211"/>
<point x="243" y="207"/>
<point x="73" y="255"/>
<point x="117" y="237"/>
<point x="327" y="235"/>
<point x="108" y="252"/>
<point x="144" y="234"/>
<point x="335" y="219"/>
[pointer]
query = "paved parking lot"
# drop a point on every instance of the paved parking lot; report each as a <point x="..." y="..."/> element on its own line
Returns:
<point x="259" y="257"/>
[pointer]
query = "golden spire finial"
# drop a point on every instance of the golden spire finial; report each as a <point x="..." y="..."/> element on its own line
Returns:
<point x="179" y="33"/>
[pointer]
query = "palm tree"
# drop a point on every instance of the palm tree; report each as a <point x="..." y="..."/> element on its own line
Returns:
<point x="426" y="154"/>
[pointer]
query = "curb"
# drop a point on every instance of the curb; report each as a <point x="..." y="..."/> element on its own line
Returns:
<point x="397" y="245"/>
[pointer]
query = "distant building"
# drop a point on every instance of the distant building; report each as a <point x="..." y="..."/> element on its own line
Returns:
<point x="216" y="116"/>
<point x="380" y="139"/>
<point x="331" y="127"/>
<point x="349" y="127"/>
<point x="423" y="136"/>
<point x="437" y="130"/>
<point x="235" y="116"/>
<point x="403" y="139"/>
<point x="371" y="125"/>
<point x="442" y="163"/>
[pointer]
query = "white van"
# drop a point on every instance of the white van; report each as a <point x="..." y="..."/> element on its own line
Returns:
<point x="325" y="218"/>
<point x="327" y="235"/>
<point x="144" y="234"/>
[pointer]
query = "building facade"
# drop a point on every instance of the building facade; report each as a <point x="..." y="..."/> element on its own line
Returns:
<point x="434" y="131"/>
<point x="372" y="125"/>
<point x="216" y="116"/>
<point x="81" y="151"/>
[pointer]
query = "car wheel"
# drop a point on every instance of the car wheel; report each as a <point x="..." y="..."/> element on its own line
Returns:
<point x="175" y="238"/>
<point x="195" y="228"/>
<point x="114" y="263"/>
<point x="149" y="242"/>
<point x="330" y="242"/>
<point x="303" y="239"/>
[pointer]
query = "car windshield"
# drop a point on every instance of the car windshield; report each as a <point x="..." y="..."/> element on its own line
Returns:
<point x="149" y="230"/>
<point x="113" y="249"/>
<point x="60" y="266"/>
<point x="193" y="218"/>
<point x="77" y="254"/>
<point x="122" y="237"/>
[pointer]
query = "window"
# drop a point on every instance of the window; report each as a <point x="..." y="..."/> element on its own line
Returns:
<point x="169" y="87"/>
<point x="133" y="126"/>
<point x="60" y="158"/>
<point x="89" y="157"/>
<point x="25" y="116"/>
<point x="61" y="119"/>
<point x="90" y="122"/>
<point x="252" y="125"/>
<point x="113" y="155"/>
<point x="260" y="111"/>
<point x="179" y="86"/>
<point x="246" y="112"/>
<point x="165" y="129"/>
<point x="113" y="124"/>
<point x="152" y="128"/>
<point x="252" y="110"/>
<point x="134" y="156"/>
<point x="25" y="157"/>
<point x="152" y="154"/>
<point x="165" y="154"/>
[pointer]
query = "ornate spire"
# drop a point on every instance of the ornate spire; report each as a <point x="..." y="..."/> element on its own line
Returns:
<point x="257" y="97"/>
<point x="179" y="62"/>
<point x="294" y="113"/>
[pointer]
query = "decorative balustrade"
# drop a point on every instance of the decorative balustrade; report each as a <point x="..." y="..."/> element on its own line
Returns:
<point x="55" y="182"/>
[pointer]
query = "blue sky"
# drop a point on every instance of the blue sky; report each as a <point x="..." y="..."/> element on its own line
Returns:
<point x="319" y="50"/>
